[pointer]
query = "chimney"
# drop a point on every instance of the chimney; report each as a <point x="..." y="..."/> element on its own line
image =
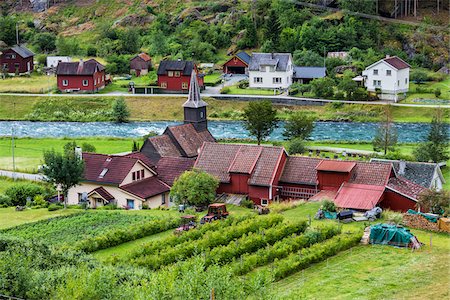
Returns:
<point x="401" y="167"/>
<point x="388" y="56"/>
<point x="79" y="152"/>
<point x="80" y="66"/>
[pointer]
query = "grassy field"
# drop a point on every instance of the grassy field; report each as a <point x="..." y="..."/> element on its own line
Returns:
<point x="35" y="84"/>
<point x="444" y="86"/>
<point x="10" y="218"/>
<point x="212" y="78"/>
<point x="234" y="90"/>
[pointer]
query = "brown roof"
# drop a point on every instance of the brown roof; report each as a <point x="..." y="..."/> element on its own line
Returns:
<point x="103" y="193"/>
<point x="146" y="188"/>
<point x="300" y="170"/>
<point x="405" y="187"/>
<point x="359" y="196"/>
<point x="110" y="169"/>
<point x="145" y="57"/>
<point x="79" y="68"/>
<point x="371" y="173"/>
<point x="336" y="166"/>
<point x="189" y="139"/>
<point x="397" y="62"/>
<point x="170" y="168"/>
<point x="164" y="145"/>
<point x="219" y="159"/>
<point x="141" y="156"/>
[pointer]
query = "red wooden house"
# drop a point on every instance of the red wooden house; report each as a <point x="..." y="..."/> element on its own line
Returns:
<point x="238" y="64"/>
<point x="17" y="60"/>
<point x="86" y="76"/>
<point x="268" y="173"/>
<point x="175" y="75"/>
<point x="140" y="64"/>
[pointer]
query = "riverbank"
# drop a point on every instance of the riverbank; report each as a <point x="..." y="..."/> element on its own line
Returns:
<point x="47" y="108"/>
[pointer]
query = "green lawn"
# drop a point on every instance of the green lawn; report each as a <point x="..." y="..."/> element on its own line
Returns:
<point x="444" y="86"/>
<point x="213" y="78"/>
<point x="234" y="90"/>
<point x="10" y="218"/>
<point x="34" y="84"/>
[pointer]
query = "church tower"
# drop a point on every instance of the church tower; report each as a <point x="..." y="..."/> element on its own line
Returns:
<point x="195" y="107"/>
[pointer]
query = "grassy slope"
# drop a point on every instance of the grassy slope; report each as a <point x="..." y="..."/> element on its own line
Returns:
<point x="444" y="86"/>
<point x="10" y="218"/>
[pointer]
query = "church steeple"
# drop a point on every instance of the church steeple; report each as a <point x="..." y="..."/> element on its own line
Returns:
<point x="195" y="107"/>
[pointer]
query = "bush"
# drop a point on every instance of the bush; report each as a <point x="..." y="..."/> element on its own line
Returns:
<point x="39" y="201"/>
<point x="243" y="84"/>
<point x="328" y="206"/>
<point x="339" y="95"/>
<point x="225" y="90"/>
<point x="296" y="146"/>
<point x="5" y="201"/>
<point x="54" y="206"/>
<point x="247" y="203"/>
<point x="120" y="110"/>
<point x="278" y="207"/>
<point x="88" y="148"/>
<point x="437" y="92"/>
<point x="392" y="216"/>
<point x="19" y="193"/>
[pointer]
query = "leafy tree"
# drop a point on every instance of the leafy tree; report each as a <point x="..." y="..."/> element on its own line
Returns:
<point x="260" y="119"/>
<point x="434" y="202"/>
<point x="272" y="27"/>
<point x="296" y="146"/>
<point x="128" y="41"/>
<point x="367" y="7"/>
<point x="419" y="76"/>
<point x="268" y="47"/>
<point x="66" y="46"/>
<point x="307" y="58"/>
<point x="194" y="188"/>
<point x="8" y="30"/>
<point x="299" y="125"/>
<point x="386" y="136"/>
<point x="63" y="169"/>
<point x="304" y="88"/>
<point x="348" y="85"/>
<point x="69" y="148"/>
<point x="120" y="110"/>
<point x="120" y="64"/>
<point x="250" y="38"/>
<point x="323" y="87"/>
<point x="86" y="147"/>
<point x="45" y="42"/>
<point x="19" y="192"/>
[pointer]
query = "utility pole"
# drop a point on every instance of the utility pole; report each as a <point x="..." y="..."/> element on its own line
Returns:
<point x="17" y="33"/>
<point x="12" y="143"/>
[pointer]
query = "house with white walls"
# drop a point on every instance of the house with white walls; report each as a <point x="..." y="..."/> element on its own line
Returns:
<point x="270" y="70"/>
<point x="389" y="76"/>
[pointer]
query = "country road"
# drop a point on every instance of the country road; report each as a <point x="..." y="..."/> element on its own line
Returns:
<point x="18" y="175"/>
<point x="230" y="97"/>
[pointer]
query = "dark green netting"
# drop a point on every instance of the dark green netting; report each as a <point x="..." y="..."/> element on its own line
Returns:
<point x="329" y="214"/>
<point x="386" y="234"/>
<point x="428" y="217"/>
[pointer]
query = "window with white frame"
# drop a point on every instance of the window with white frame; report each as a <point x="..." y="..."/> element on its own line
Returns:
<point x="163" y="199"/>
<point x="272" y="68"/>
<point x="276" y="80"/>
<point x="170" y="73"/>
<point x="85" y="82"/>
<point x="262" y="69"/>
<point x="177" y="74"/>
<point x="5" y="66"/>
<point x="258" y="80"/>
<point x="377" y="83"/>
<point x="184" y="85"/>
<point x="388" y="72"/>
<point x="138" y="175"/>
<point x="164" y="85"/>
<point x="65" y="82"/>
<point x="264" y="202"/>
<point x="375" y="71"/>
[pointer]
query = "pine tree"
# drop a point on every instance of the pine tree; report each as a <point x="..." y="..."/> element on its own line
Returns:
<point x="120" y="110"/>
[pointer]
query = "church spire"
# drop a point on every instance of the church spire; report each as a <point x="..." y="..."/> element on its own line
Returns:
<point x="195" y="107"/>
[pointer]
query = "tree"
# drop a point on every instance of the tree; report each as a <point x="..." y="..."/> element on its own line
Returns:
<point x="272" y="27"/>
<point x="296" y="146"/>
<point x="88" y="148"/>
<point x="8" y="30"/>
<point x="386" y="136"/>
<point x="419" y="76"/>
<point x="367" y="7"/>
<point x="348" y="85"/>
<point x="128" y="41"/>
<point x="45" y="42"/>
<point x="63" y="169"/>
<point x="323" y="87"/>
<point x="194" y="188"/>
<point x="299" y="125"/>
<point x="120" y="110"/>
<point x="434" y="202"/>
<point x="436" y="147"/>
<point x="307" y="58"/>
<point x="260" y="119"/>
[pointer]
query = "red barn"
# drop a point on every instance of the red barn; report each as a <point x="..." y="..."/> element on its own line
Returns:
<point x="86" y="76"/>
<point x="238" y="64"/>
<point x="140" y="64"/>
<point x="175" y="75"/>
<point x="17" y="60"/>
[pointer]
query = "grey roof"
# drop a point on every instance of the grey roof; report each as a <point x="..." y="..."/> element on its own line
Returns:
<point x="79" y="68"/>
<point x="244" y="57"/>
<point x="418" y="172"/>
<point x="280" y="60"/>
<point x="183" y="66"/>
<point x="194" y="99"/>
<point x="309" y="72"/>
<point x="22" y="51"/>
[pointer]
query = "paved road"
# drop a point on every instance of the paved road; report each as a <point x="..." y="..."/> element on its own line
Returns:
<point x="341" y="150"/>
<point x="230" y="96"/>
<point x="17" y="175"/>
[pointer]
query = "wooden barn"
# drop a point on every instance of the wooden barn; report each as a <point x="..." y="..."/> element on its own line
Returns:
<point x="237" y="64"/>
<point x="17" y="60"/>
<point x="140" y="64"/>
<point x="174" y="76"/>
<point x="84" y="76"/>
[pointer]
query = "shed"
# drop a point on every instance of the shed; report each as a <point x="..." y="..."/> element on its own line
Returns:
<point x="237" y="64"/>
<point x="140" y="64"/>
<point x="305" y="74"/>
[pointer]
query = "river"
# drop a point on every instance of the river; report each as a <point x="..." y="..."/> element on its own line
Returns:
<point x="338" y="131"/>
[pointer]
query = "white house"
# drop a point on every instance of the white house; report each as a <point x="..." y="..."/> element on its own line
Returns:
<point x="53" y="61"/>
<point x="270" y="70"/>
<point x="390" y="75"/>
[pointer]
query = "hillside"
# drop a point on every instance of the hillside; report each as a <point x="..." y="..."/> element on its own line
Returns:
<point x="207" y="30"/>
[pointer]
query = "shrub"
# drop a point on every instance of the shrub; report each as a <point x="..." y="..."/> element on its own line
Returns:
<point x="278" y="207"/>
<point x="19" y="193"/>
<point x="243" y="84"/>
<point x="54" y="206"/>
<point x="392" y="216"/>
<point x="337" y="104"/>
<point x="39" y="201"/>
<point x="225" y="90"/>
<point x="247" y="203"/>
<point x="296" y="146"/>
<point x="437" y="92"/>
<point x="339" y="95"/>
<point x="5" y="201"/>
<point x="88" y="148"/>
<point x="328" y="205"/>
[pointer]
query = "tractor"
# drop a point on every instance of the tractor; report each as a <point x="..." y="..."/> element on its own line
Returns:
<point x="187" y="223"/>
<point x="216" y="211"/>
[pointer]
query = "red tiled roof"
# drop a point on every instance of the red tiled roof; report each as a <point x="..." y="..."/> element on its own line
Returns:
<point x="189" y="139"/>
<point x="115" y="168"/>
<point x="397" y="62"/>
<point x="146" y="188"/>
<point x="164" y="146"/>
<point x="169" y="168"/>
<point x="359" y="196"/>
<point x="103" y="193"/>
<point x="245" y="159"/>
<point x="405" y="187"/>
<point x="336" y="166"/>
<point x="324" y="195"/>
<point x="216" y="159"/>
<point x="371" y="173"/>
<point x="300" y="170"/>
<point x="142" y="157"/>
<point x="266" y="166"/>
<point x="145" y="56"/>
